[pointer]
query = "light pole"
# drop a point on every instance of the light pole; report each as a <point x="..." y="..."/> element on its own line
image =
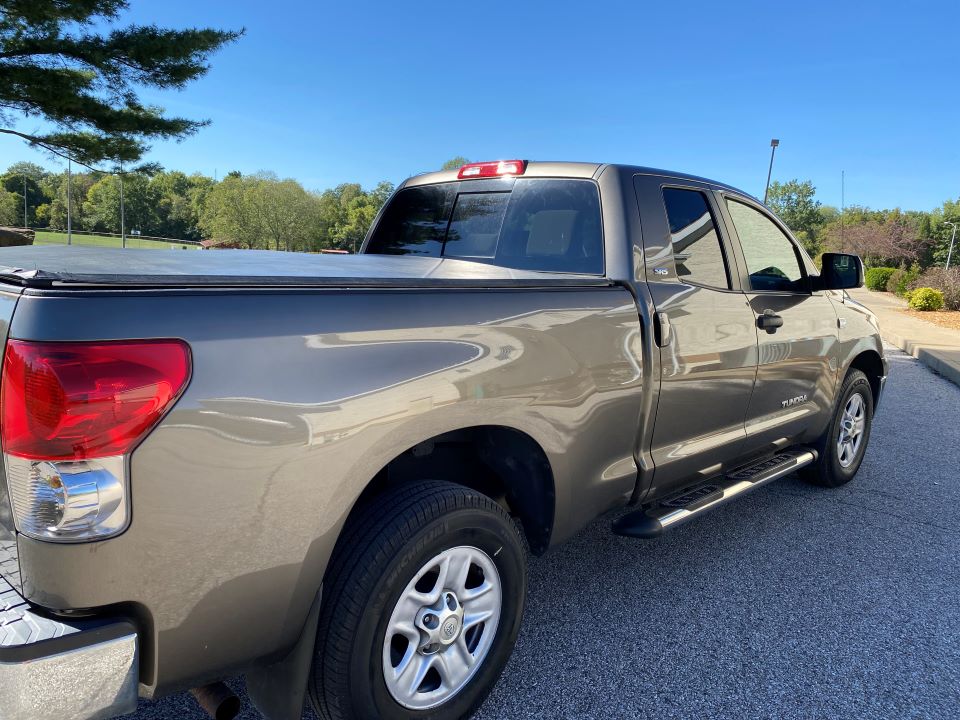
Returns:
<point x="843" y="203"/>
<point x="773" y="149"/>
<point x="26" y="223"/>
<point x="123" y="234"/>
<point x="952" y="238"/>
<point x="69" y="202"/>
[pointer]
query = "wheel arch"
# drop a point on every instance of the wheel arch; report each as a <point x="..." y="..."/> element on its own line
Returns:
<point x="870" y="363"/>
<point x="502" y="462"/>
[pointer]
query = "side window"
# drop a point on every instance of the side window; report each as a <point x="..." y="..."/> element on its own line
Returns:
<point x="772" y="260"/>
<point x="693" y="233"/>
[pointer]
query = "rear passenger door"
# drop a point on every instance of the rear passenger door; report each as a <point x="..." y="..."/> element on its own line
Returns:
<point x="796" y="330"/>
<point x="704" y="327"/>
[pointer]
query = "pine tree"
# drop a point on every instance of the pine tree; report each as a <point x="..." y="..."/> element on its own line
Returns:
<point x="74" y="66"/>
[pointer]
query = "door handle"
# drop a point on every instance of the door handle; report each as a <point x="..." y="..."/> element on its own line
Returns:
<point x="769" y="321"/>
<point x="661" y="329"/>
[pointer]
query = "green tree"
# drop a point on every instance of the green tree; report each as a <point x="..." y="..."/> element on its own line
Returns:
<point x="347" y="211"/>
<point x="794" y="202"/>
<point x="26" y="177"/>
<point x="141" y="201"/>
<point x="261" y="211"/>
<point x="55" y="187"/>
<point x="940" y="233"/>
<point x="67" y="63"/>
<point x="454" y="163"/>
<point x="11" y="209"/>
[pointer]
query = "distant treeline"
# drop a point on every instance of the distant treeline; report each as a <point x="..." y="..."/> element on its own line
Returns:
<point x="881" y="237"/>
<point x="248" y="211"/>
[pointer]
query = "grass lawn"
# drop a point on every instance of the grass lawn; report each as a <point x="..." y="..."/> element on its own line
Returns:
<point x="44" y="237"/>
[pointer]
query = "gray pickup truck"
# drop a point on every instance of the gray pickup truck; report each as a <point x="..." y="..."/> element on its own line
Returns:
<point x="325" y="472"/>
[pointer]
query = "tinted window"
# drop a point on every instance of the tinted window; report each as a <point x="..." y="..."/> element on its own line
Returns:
<point x="475" y="226"/>
<point x="415" y="222"/>
<point x="539" y="224"/>
<point x="771" y="258"/>
<point x="693" y="233"/>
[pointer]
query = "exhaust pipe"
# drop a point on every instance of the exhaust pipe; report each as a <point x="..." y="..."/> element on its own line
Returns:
<point x="217" y="700"/>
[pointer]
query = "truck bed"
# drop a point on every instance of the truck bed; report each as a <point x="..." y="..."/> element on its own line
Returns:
<point x="61" y="266"/>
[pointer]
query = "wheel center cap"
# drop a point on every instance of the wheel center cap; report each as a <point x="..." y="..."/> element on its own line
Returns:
<point x="449" y="630"/>
<point x="440" y="624"/>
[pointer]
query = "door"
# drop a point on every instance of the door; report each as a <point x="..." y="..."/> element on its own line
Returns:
<point x="704" y="327"/>
<point x="797" y="332"/>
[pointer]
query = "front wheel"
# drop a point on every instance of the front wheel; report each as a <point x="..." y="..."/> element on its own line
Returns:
<point x="422" y="606"/>
<point x="842" y="446"/>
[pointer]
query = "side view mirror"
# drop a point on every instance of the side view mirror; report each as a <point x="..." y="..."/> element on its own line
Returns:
<point x="840" y="272"/>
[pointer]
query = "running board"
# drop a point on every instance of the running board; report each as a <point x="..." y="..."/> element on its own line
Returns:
<point x="651" y="522"/>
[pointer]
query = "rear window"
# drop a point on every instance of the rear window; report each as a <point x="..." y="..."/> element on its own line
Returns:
<point x="537" y="224"/>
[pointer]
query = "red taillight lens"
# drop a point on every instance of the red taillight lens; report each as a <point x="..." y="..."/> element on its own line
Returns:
<point x="76" y="401"/>
<point x="492" y="169"/>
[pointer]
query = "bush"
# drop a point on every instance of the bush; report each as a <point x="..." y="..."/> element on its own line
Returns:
<point x="902" y="280"/>
<point x="926" y="299"/>
<point x="946" y="281"/>
<point x="894" y="279"/>
<point x="876" y="278"/>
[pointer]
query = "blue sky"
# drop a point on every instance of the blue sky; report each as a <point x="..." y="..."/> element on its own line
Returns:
<point x="337" y="92"/>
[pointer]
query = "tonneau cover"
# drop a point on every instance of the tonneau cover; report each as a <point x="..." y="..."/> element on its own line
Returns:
<point x="50" y="266"/>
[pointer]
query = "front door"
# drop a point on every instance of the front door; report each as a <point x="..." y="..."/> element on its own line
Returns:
<point x="708" y="345"/>
<point x="796" y="329"/>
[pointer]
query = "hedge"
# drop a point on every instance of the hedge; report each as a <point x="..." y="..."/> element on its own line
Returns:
<point x="876" y="278"/>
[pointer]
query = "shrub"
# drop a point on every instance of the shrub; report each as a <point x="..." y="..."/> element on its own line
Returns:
<point x="946" y="281"/>
<point x="876" y="278"/>
<point x="926" y="299"/>
<point x="894" y="279"/>
<point x="901" y="280"/>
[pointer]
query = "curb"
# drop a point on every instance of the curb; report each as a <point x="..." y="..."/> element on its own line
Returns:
<point x="938" y="360"/>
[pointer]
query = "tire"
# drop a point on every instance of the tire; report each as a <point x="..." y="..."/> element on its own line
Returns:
<point x="383" y="551"/>
<point x="831" y="469"/>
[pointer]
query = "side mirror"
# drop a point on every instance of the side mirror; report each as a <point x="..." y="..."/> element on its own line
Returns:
<point x="840" y="272"/>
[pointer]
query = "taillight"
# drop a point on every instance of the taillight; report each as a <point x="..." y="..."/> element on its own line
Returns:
<point x="492" y="169"/>
<point x="70" y="413"/>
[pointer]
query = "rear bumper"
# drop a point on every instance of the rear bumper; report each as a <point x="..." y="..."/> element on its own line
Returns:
<point x="71" y="670"/>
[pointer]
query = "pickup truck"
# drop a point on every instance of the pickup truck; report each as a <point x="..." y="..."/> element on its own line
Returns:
<point x="326" y="472"/>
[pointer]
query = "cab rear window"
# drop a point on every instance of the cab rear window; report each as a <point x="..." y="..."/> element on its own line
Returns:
<point x="543" y="224"/>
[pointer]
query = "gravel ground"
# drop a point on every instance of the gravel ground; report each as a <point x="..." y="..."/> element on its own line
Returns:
<point x="794" y="602"/>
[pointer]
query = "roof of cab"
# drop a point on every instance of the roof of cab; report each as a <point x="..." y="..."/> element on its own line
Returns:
<point x="571" y="170"/>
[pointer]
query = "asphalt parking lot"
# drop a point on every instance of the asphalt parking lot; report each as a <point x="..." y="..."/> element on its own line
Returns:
<point x="795" y="602"/>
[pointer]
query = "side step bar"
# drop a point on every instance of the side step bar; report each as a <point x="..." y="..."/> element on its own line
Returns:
<point x="651" y="522"/>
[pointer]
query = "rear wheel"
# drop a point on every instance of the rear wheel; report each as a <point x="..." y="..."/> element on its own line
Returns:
<point x="842" y="446"/>
<point x="422" y="606"/>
